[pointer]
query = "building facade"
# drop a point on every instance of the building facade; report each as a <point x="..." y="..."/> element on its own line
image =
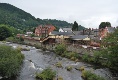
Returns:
<point x="44" y="30"/>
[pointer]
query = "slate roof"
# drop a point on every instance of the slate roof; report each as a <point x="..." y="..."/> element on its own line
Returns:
<point x="95" y="30"/>
<point x="77" y="32"/>
<point x="62" y="33"/>
<point x="79" y="37"/>
<point x="66" y="33"/>
<point x="67" y="29"/>
<point x="54" y="33"/>
<point x="110" y="29"/>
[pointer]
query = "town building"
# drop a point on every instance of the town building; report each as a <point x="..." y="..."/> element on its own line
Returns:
<point x="44" y="30"/>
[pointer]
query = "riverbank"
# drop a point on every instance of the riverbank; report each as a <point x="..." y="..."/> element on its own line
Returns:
<point x="36" y="60"/>
<point x="10" y="61"/>
<point x="87" y="52"/>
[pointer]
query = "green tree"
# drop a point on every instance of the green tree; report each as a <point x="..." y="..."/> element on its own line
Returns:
<point x="75" y="26"/>
<point x="80" y="27"/>
<point x="10" y="61"/>
<point x="104" y="24"/>
<point x="33" y="30"/>
<point x="5" y="32"/>
<point x="108" y="24"/>
<point x="15" y="31"/>
<point x="22" y="20"/>
<point x="110" y="51"/>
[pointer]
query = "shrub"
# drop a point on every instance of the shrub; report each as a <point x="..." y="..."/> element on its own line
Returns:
<point x="58" y="64"/>
<point x="21" y="39"/>
<point x="88" y="75"/>
<point x="96" y="57"/>
<point x="15" y="39"/>
<point x="10" y="39"/>
<point x="85" y="57"/>
<point x="37" y="46"/>
<point x="76" y="60"/>
<point x="46" y="74"/>
<point x="60" y="78"/>
<point x="70" y="55"/>
<point x="69" y="68"/>
<point x="60" y="49"/>
<point x="73" y="58"/>
<point x="3" y="41"/>
<point x="67" y="54"/>
<point x="10" y="61"/>
<point x="44" y="49"/>
<point x="81" y="68"/>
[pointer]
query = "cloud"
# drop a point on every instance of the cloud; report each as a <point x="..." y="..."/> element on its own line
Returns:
<point x="94" y="22"/>
<point x="89" y="13"/>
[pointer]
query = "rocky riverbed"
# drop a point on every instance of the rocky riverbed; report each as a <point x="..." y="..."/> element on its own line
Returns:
<point x="36" y="60"/>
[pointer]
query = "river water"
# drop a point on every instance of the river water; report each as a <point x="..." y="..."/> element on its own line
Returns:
<point x="37" y="60"/>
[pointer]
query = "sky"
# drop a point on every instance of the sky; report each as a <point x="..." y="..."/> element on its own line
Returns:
<point x="88" y="13"/>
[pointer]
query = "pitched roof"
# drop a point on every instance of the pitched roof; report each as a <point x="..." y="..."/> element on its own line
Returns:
<point x="95" y="30"/>
<point x="67" y="29"/>
<point x="77" y="32"/>
<point x="79" y="37"/>
<point x="66" y="33"/>
<point x="61" y="33"/>
<point x="54" y="33"/>
<point x="110" y="29"/>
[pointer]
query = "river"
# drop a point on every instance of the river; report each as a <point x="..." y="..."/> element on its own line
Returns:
<point x="37" y="60"/>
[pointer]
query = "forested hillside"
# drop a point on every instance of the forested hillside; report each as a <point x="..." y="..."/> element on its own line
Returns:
<point x="20" y="19"/>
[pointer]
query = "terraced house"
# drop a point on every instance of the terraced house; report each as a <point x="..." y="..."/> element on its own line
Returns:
<point x="44" y="30"/>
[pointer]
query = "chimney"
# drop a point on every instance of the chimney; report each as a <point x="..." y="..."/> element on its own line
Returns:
<point x="83" y="31"/>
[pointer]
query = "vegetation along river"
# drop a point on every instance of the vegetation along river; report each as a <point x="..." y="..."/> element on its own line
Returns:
<point x="37" y="60"/>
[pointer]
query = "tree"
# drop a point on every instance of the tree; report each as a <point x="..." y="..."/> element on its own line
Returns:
<point x="15" y="31"/>
<point x="108" y="24"/>
<point x="57" y="28"/>
<point x="5" y="32"/>
<point x="10" y="61"/>
<point x="81" y="27"/>
<point x="110" y="51"/>
<point x="75" y="26"/>
<point x="104" y="24"/>
<point x="21" y="20"/>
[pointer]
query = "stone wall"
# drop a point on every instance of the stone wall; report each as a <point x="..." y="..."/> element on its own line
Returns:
<point x="32" y="42"/>
<point x="70" y="47"/>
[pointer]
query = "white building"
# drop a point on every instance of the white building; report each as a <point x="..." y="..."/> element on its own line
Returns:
<point x="65" y="30"/>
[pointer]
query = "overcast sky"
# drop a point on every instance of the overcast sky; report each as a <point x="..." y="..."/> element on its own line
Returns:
<point x="88" y="13"/>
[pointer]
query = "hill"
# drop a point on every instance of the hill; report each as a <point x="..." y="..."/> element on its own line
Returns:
<point x="20" y="19"/>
